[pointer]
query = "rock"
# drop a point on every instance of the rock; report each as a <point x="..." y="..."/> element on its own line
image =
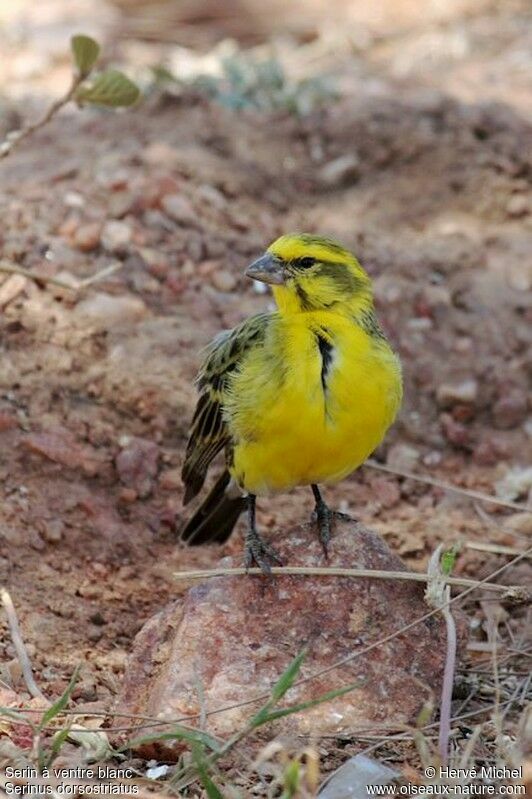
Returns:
<point x="87" y="237"/>
<point x="11" y="288"/>
<point x="463" y="391"/>
<point x="510" y="410"/>
<point x="517" y="206"/>
<point x="520" y="523"/>
<point x="137" y="465"/>
<point x="170" y="479"/>
<point x="61" y="447"/>
<point x="344" y="169"/>
<point x="103" y="311"/>
<point x="116" y="236"/>
<point x="52" y="530"/>
<point x="455" y="432"/>
<point x="223" y="280"/>
<point x="179" y="209"/>
<point x="403" y="457"/>
<point x="235" y="635"/>
<point x="159" y="153"/>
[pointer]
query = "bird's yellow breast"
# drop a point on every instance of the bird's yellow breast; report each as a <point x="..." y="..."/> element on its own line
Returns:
<point x="293" y="424"/>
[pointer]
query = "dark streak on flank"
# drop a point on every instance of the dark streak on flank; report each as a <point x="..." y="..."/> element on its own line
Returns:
<point x="325" y="348"/>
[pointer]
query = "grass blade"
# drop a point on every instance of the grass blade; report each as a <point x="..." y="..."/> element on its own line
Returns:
<point x="61" y="703"/>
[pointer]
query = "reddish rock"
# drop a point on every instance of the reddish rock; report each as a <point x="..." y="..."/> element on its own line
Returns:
<point x="235" y="635"/>
<point x="510" y="410"/>
<point x="61" y="447"/>
<point x="455" y="432"/>
<point x="87" y="237"/>
<point x="137" y="465"/>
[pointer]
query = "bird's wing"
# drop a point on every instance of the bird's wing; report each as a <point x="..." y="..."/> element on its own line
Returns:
<point x="210" y="433"/>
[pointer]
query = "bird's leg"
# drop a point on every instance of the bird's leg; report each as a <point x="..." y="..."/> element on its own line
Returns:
<point x="257" y="550"/>
<point x="324" y="516"/>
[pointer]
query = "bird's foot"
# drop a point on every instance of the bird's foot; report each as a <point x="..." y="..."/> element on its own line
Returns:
<point x="260" y="552"/>
<point x="324" y="519"/>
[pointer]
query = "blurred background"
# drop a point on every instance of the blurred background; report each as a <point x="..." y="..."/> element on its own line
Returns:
<point x="401" y="127"/>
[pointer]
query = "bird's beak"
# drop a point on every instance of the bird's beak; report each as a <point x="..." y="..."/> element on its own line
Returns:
<point x="267" y="269"/>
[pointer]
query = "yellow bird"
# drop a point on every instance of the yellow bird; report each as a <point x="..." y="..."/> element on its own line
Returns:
<point x="296" y="397"/>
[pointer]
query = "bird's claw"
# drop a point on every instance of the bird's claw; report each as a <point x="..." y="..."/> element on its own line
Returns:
<point x="260" y="552"/>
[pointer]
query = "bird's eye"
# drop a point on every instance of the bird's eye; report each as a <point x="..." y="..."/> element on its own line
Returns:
<point x="306" y="262"/>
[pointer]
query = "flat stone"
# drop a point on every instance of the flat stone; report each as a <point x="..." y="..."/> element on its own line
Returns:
<point x="235" y="635"/>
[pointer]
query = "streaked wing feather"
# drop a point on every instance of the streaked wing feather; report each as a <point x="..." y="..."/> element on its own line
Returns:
<point x="210" y="434"/>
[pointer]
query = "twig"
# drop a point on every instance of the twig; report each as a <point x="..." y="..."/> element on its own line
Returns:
<point x="448" y="684"/>
<point x="325" y="571"/>
<point x="15" y="137"/>
<point x="431" y="481"/>
<point x="11" y="269"/>
<point x="497" y="549"/>
<point x="20" y="648"/>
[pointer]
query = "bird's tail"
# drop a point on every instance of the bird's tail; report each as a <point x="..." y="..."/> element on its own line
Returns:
<point x="214" y="520"/>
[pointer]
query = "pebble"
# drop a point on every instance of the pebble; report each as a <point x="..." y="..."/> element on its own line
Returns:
<point x="159" y="153"/>
<point x="455" y="432"/>
<point x="403" y="457"/>
<point x="11" y="288"/>
<point x="223" y="280"/>
<point x="105" y="311"/>
<point x="345" y="168"/>
<point x="463" y="391"/>
<point x="52" y="530"/>
<point x="170" y="479"/>
<point x="179" y="209"/>
<point x="116" y="236"/>
<point x="87" y="237"/>
<point x="510" y="410"/>
<point x="517" y="206"/>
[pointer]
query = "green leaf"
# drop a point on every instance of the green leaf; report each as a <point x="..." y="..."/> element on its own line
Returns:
<point x="57" y="743"/>
<point x="448" y="560"/>
<point x="61" y="703"/>
<point x="111" y="89"/>
<point x="177" y="734"/>
<point x="272" y="715"/>
<point x="212" y="790"/>
<point x="85" y="51"/>
<point x="283" y="684"/>
<point x="291" y="779"/>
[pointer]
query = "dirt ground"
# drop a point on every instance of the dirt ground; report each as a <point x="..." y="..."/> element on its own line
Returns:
<point x="96" y="388"/>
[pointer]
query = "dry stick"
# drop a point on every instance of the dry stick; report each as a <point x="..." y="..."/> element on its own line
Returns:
<point x="14" y="139"/>
<point x="78" y="286"/>
<point x="448" y="683"/>
<point x="18" y="643"/>
<point x="431" y="481"/>
<point x="497" y="549"/>
<point x="325" y="571"/>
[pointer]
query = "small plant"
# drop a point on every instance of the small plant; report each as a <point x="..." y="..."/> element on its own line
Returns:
<point x="110" y="88"/>
<point x="246" y="82"/>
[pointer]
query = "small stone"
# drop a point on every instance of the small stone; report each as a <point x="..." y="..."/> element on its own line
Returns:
<point x="87" y="237"/>
<point x="116" y="236"/>
<point x="8" y="421"/>
<point x="11" y="288"/>
<point x="52" y="530"/>
<point x="121" y="203"/>
<point x="403" y="457"/>
<point x="520" y="523"/>
<point x="517" y="206"/>
<point x="510" y="410"/>
<point x="157" y="263"/>
<point x="137" y="466"/>
<point x="455" y="432"/>
<point x="103" y="311"/>
<point x="463" y="391"/>
<point x="341" y="170"/>
<point x="179" y="209"/>
<point x="223" y="280"/>
<point x="170" y="479"/>
<point x="159" y="153"/>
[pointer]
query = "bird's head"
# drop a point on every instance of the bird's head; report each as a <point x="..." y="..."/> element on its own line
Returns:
<point x="311" y="273"/>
